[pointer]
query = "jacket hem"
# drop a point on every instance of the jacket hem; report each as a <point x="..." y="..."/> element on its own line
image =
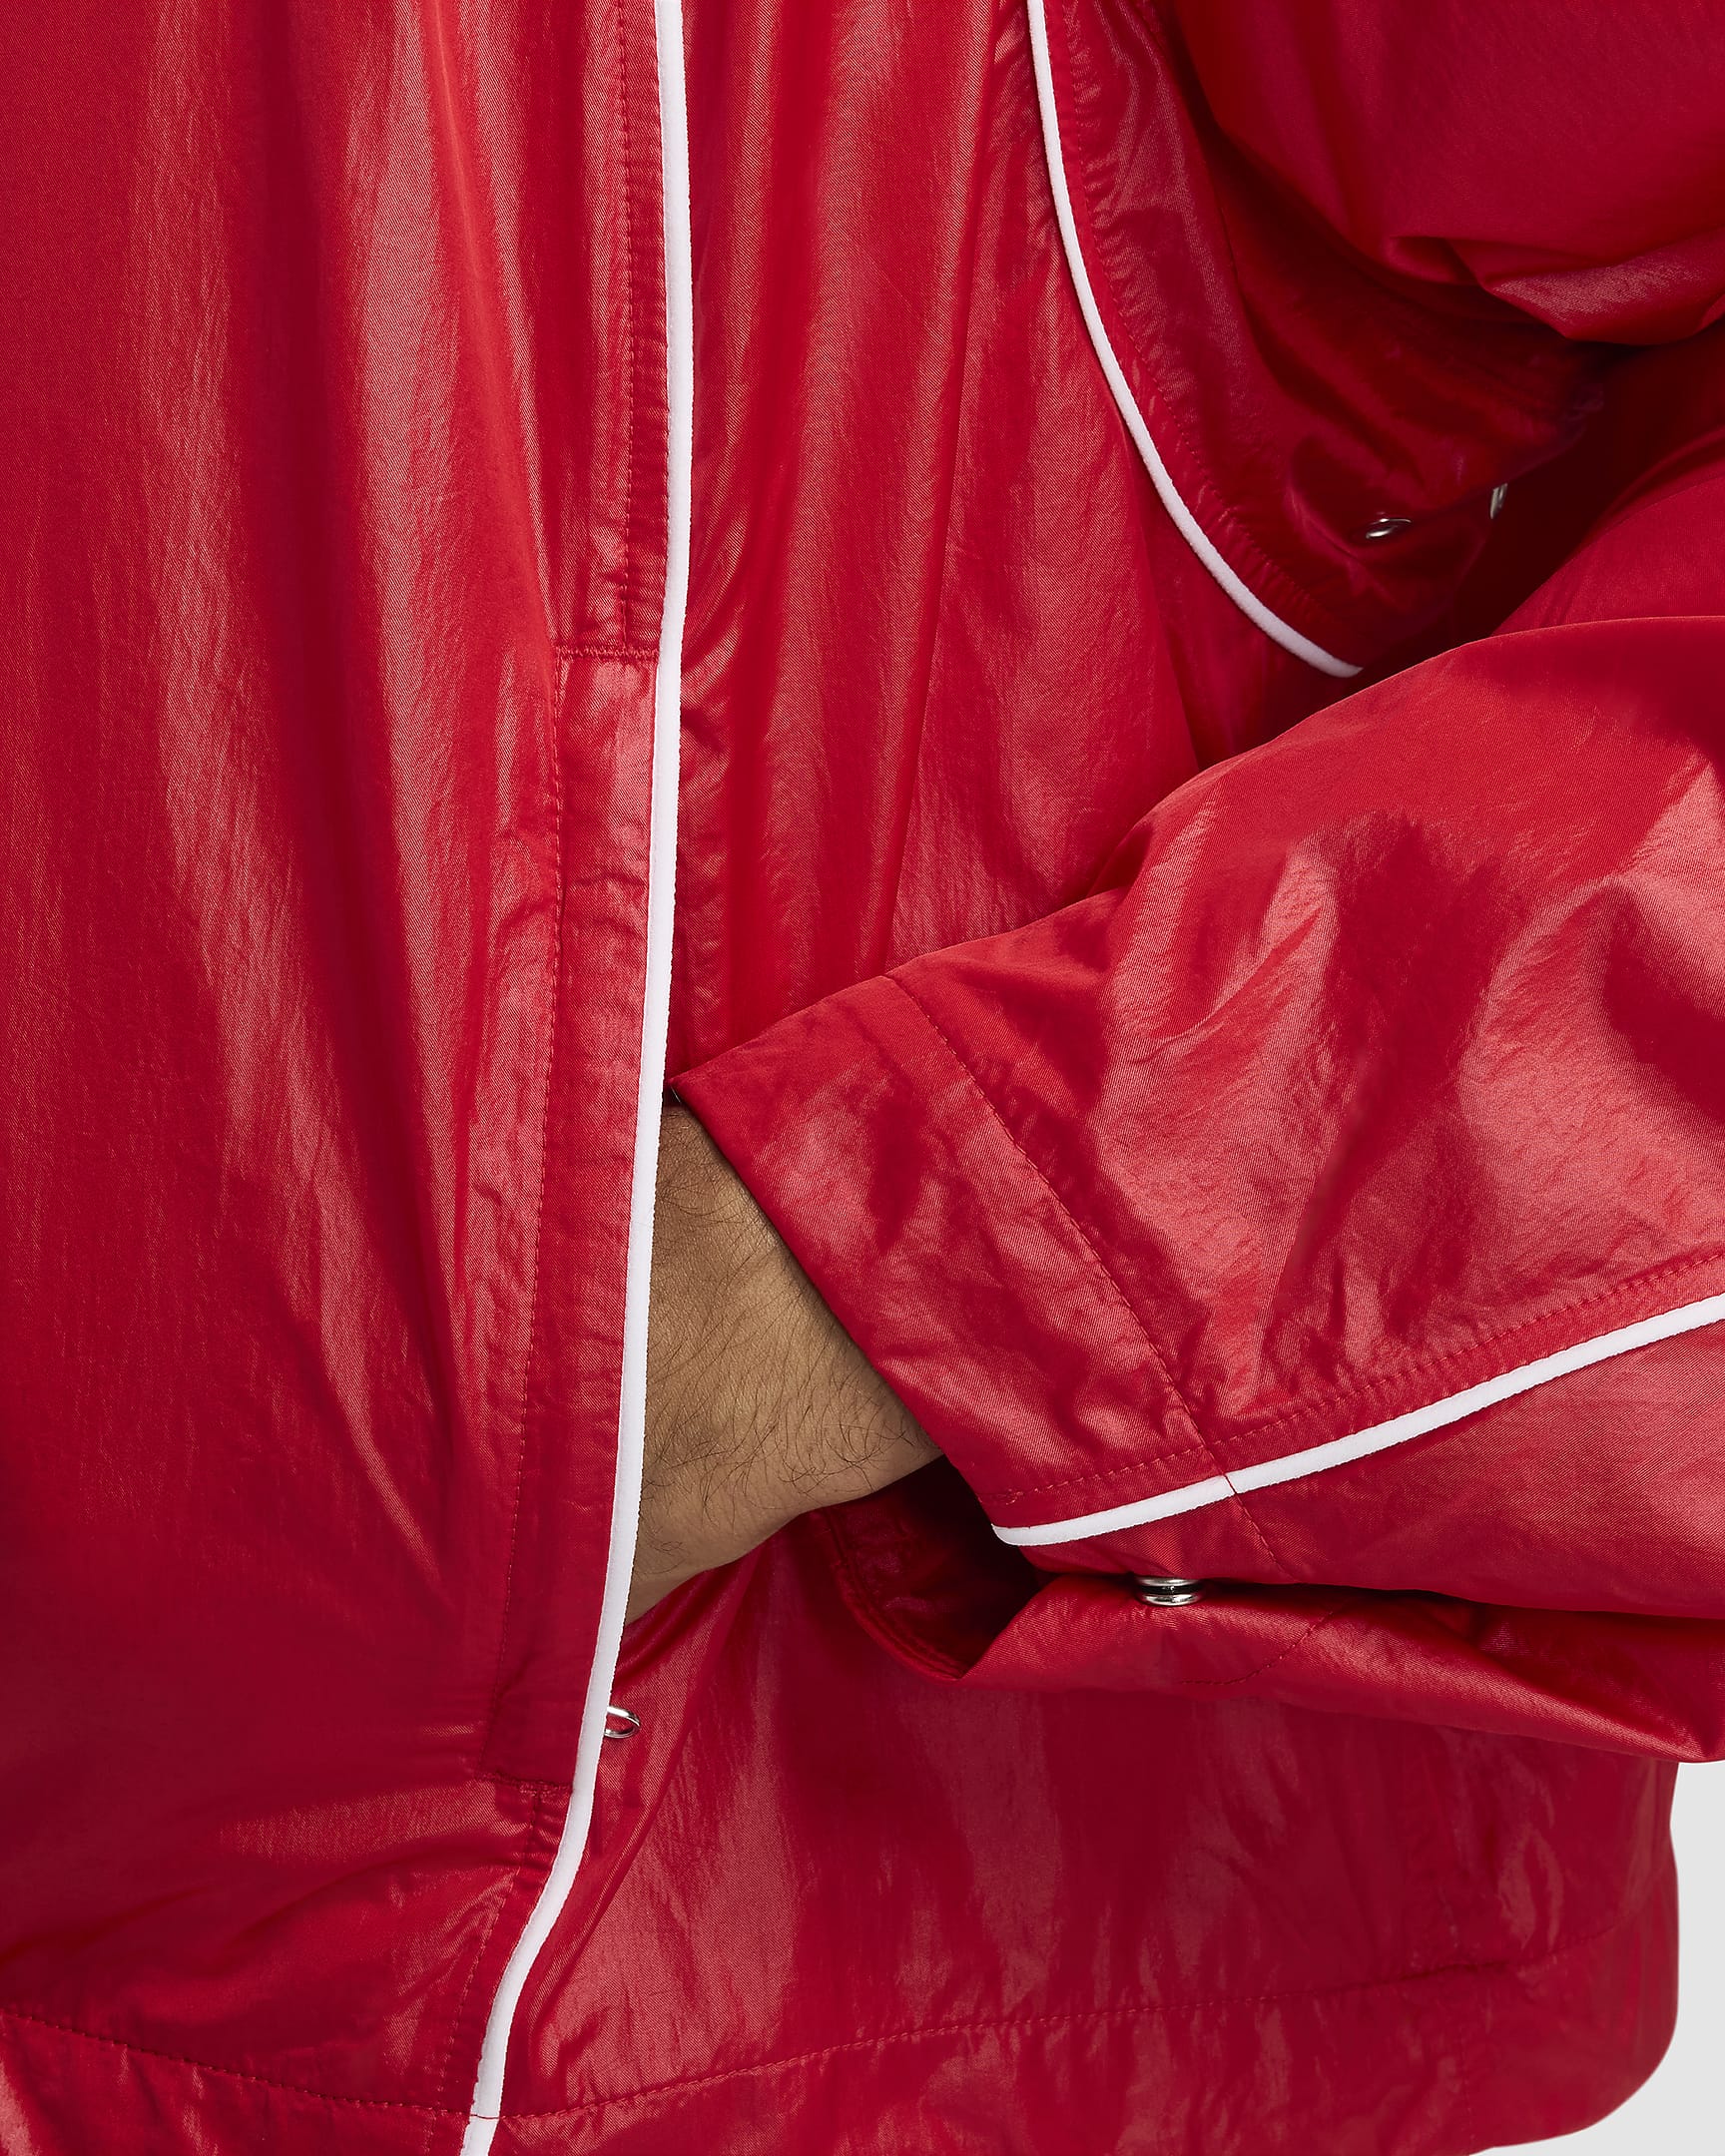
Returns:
<point x="1528" y="2070"/>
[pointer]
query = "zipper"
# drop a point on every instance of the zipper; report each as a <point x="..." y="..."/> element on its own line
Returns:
<point x="486" y="2108"/>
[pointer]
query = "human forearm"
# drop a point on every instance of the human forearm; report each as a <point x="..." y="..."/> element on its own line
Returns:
<point x="759" y="1405"/>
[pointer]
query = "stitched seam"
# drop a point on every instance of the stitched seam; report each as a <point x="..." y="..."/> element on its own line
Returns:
<point x="1319" y="1409"/>
<point x="1202" y="489"/>
<point x="628" y="312"/>
<point x="985" y="120"/>
<point x="1177" y="1456"/>
<point x="1222" y="1683"/>
<point x="1425" y="1852"/>
<point x="1293" y="599"/>
<point x="864" y="2043"/>
<point x="1114" y="1286"/>
<point x="531" y="1828"/>
<point x="637" y="652"/>
<point x="1133" y="1468"/>
<point x="1096" y="1256"/>
<point x="538" y="1207"/>
<point x="1420" y="1365"/>
<point x="227" y="2073"/>
<point x="1120" y="2010"/>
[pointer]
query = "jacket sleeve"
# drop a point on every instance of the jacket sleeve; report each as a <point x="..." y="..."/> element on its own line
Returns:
<point x="1332" y="1204"/>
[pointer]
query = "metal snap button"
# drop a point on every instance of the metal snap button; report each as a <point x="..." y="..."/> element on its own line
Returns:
<point x="1165" y="1593"/>
<point x="626" y="1724"/>
<point x="1386" y="527"/>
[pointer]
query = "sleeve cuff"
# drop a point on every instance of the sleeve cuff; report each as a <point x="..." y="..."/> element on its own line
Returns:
<point x="947" y="1256"/>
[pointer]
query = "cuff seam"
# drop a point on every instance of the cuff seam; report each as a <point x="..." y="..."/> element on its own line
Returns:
<point x="1188" y="1420"/>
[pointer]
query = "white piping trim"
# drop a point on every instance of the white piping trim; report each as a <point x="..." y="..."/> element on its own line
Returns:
<point x="1217" y="1489"/>
<point x="655" y="1019"/>
<point x="1190" y="529"/>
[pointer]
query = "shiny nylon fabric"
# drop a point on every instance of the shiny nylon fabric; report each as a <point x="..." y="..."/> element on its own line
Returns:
<point x="330" y="675"/>
<point x="326" y="824"/>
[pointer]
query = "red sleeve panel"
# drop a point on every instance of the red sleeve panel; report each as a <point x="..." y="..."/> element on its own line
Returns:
<point x="1335" y="1199"/>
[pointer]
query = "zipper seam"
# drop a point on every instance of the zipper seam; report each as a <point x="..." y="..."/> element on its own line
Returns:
<point x="486" y="2110"/>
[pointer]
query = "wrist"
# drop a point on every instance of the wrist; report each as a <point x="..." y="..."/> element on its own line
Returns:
<point x="760" y="1407"/>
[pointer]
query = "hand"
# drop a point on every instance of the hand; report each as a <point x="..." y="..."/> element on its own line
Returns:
<point x="759" y="1407"/>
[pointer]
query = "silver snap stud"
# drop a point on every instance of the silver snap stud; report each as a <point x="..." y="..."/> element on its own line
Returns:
<point x="620" y="1723"/>
<point x="1386" y="527"/>
<point x="1165" y="1593"/>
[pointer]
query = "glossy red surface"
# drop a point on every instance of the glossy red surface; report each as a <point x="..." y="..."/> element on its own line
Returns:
<point x="1157" y="1058"/>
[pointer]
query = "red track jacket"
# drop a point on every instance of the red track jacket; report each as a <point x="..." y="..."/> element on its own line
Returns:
<point x="933" y="574"/>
